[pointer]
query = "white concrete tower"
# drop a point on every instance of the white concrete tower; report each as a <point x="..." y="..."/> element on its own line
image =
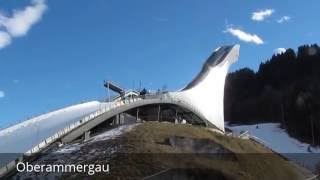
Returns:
<point x="206" y="92"/>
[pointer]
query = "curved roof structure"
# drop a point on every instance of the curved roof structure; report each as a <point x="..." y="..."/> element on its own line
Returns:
<point x="206" y="91"/>
<point x="203" y="96"/>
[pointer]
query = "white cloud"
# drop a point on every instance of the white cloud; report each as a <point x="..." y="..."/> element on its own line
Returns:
<point x="5" y="39"/>
<point x="244" y="36"/>
<point x="21" y="21"/>
<point x="279" y="50"/>
<point x="283" y="19"/>
<point x="2" y="94"/>
<point x="262" y="14"/>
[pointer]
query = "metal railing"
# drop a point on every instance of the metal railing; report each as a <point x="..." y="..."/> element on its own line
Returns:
<point x="48" y="141"/>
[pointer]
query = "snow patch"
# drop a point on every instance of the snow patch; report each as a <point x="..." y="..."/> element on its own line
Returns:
<point x="45" y="116"/>
<point x="274" y="137"/>
<point x="69" y="148"/>
<point x="277" y="139"/>
<point x="109" y="134"/>
<point x="23" y="136"/>
<point x="112" y="134"/>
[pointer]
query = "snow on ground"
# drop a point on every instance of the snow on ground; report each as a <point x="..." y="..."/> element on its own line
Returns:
<point x="274" y="137"/>
<point x="69" y="148"/>
<point x="107" y="135"/>
<point x="111" y="134"/>
<point x="271" y="135"/>
<point x="23" y="136"/>
<point x="92" y="151"/>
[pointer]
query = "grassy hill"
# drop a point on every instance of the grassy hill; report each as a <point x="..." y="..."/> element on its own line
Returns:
<point x="190" y="151"/>
<point x="154" y="150"/>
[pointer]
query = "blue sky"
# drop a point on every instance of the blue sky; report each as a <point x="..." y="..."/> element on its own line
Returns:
<point x="55" y="53"/>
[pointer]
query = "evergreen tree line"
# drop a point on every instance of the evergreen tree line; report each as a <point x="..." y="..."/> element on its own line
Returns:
<point x="285" y="89"/>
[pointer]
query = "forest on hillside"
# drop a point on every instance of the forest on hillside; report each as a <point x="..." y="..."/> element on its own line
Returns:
<point x="285" y="89"/>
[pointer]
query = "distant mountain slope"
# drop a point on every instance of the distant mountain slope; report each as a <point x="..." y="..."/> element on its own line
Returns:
<point x="285" y="89"/>
<point x="271" y="135"/>
<point x="23" y="136"/>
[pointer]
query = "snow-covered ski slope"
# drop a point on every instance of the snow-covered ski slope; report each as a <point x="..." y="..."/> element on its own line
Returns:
<point x="277" y="139"/>
<point x="25" y="135"/>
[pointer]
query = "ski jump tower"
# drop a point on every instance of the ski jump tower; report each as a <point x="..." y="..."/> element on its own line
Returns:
<point x="206" y="92"/>
<point x="202" y="97"/>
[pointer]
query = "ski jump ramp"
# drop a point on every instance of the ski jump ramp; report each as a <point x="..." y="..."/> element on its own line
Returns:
<point x="206" y="91"/>
<point x="203" y="96"/>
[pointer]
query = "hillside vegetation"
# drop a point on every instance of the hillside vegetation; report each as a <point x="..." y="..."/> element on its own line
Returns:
<point x="285" y="88"/>
<point x="190" y="151"/>
<point x="154" y="150"/>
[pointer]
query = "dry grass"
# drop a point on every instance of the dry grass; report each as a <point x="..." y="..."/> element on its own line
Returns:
<point x="146" y="151"/>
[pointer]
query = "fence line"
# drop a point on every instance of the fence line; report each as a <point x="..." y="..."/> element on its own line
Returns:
<point x="313" y="177"/>
<point x="48" y="141"/>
